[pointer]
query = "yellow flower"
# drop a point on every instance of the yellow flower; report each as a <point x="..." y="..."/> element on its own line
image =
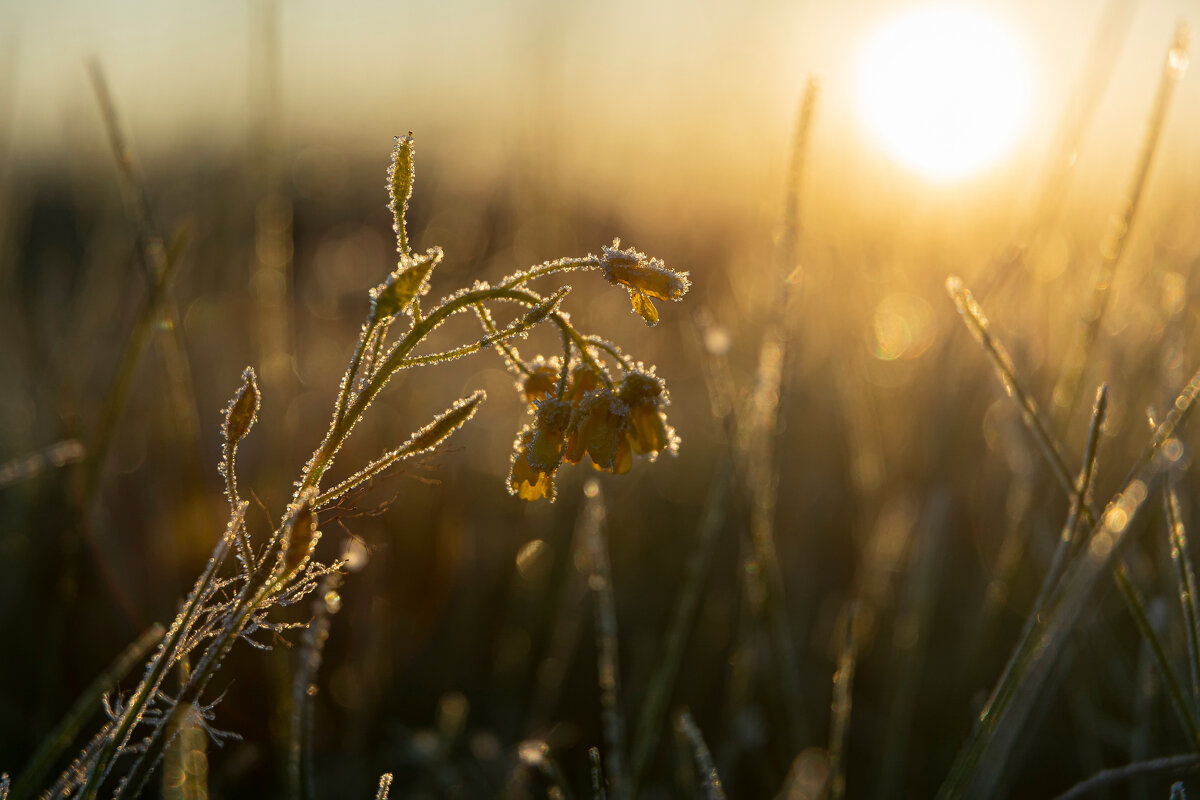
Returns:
<point x="539" y="451"/>
<point x="645" y="396"/>
<point x="598" y="429"/>
<point x="583" y="379"/>
<point x="644" y="278"/>
<point x="525" y="480"/>
<point x="541" y="383"/>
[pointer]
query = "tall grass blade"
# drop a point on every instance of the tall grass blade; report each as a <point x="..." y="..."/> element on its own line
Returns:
<point x="756" y="445"/>
<point x="1039" y="429"/>
<point x="59" y="454"/>
<point x="58" y="740"/>
<point x="1041" y="642"/>
<point x="597" y="774"/>
<point x="843" y="696"/>
<point x="592" y="525"/>
<point x="273" y="235"/>
<point x="710" y="781"/>
<point x="385" y="786"/>
<point x="687" y="606"/>
<point x="1112" y="250"/>
<point x="300" y="783"/>
<point x="983" y="759"/>
<point x="1185" y="574"/>
<point x="911" y="638"/>
<point x="1110" y="777"/>
<point x="158" y="261"/>
<point x="166" y="656"/>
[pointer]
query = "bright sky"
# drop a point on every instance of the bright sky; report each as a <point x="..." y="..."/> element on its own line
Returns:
<point x="657" y="84"/>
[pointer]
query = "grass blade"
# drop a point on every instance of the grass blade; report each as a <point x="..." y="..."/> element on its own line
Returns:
<point x="1112" y="250"/>
<point x="300" y="721"/>
<point x="1108" y="777"/>
<point x="1041" y="642"/>
<point x="385" y="786"/>
<point x="711" y="781"/>
<point x="843" y="697"/>
<point x="58" y="740"/>
<point x="658" y="695"/>
<point x="1177" y="533"/>
<point x="59" y="454"/>
<point x="592" y="524"/>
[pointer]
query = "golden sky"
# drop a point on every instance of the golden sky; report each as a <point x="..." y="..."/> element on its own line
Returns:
<point x="669" y="88"/>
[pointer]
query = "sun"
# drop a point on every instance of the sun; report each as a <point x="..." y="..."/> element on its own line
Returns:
<point x="944" y="89"/>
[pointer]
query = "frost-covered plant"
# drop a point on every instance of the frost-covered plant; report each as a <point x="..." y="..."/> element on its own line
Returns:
<point x="589" y="400"/>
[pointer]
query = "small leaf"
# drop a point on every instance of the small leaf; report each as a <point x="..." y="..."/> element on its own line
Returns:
<point x="422" y="441"/>
<point x="644" y="307"/>
<point x="404" y="284"/>
<point x="544" y="309"/>
<point x="447" y="423"/>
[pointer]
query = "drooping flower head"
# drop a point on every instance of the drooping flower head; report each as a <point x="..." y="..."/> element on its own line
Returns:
<point x="646" y="396"/>
<point x="539" y="450"/>
<point x="598" y="429"/>
<point x="644" y="277"/>
<point x="541" y="382"/>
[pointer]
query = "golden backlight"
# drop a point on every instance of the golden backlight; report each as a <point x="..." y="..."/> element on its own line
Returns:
<point x="944" y="89"/>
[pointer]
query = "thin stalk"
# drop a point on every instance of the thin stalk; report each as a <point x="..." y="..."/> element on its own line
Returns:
<point x="1177" y="533"/>
<point x="983" y="758"/>
<point x="843" y="696"/>
<point x="157" y="261"/>
<point x="597" y="774"/>
<point x="997" y="704"/>
<point x="506" y="350"/>
<point x="592" y="525"/>
<point x="1107" y="778"/>
<point x="622" y="359"/>
<point x="1113" y="248"/>
<point x="59" y="739"/>
<point x="165" y="657"/>
<point x="154" y="744"/>
<point x="395" y="360"/>
<point x="710" y="780"/>
<point x="347" y="387"/>
<point x="581" y="345"/>
<point x="549" y="268"/>
<point x="760" y="470"/>
<point x="59" y="454"/>
<point x="687" y="606"/>
<point x="910" y="641"/>
<point x="300" y="722"/>
<point x="1172" y="684"/>
<point x="1039" y="429"/>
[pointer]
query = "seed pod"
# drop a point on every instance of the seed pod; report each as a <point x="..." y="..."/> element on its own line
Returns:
<point x="400" y="181"/>
<point x="300" y="533"/>
<point x="242" y="410"/>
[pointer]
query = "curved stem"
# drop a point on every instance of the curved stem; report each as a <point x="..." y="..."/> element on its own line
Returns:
<point x="511" y="356"/>
<point x="622" y="359"/>
<point x="549" y="268"/>
<point x="581" y="344"/>
<point x="397" y="359"/>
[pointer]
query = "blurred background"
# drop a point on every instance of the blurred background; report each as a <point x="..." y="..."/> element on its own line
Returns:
<point x="262" y="132"/>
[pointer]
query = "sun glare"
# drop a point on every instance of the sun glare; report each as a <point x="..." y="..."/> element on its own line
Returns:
<point x="944" y="89"/>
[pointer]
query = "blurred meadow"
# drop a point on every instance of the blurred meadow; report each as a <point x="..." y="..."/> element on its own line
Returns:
<point x="830" y="576"/>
